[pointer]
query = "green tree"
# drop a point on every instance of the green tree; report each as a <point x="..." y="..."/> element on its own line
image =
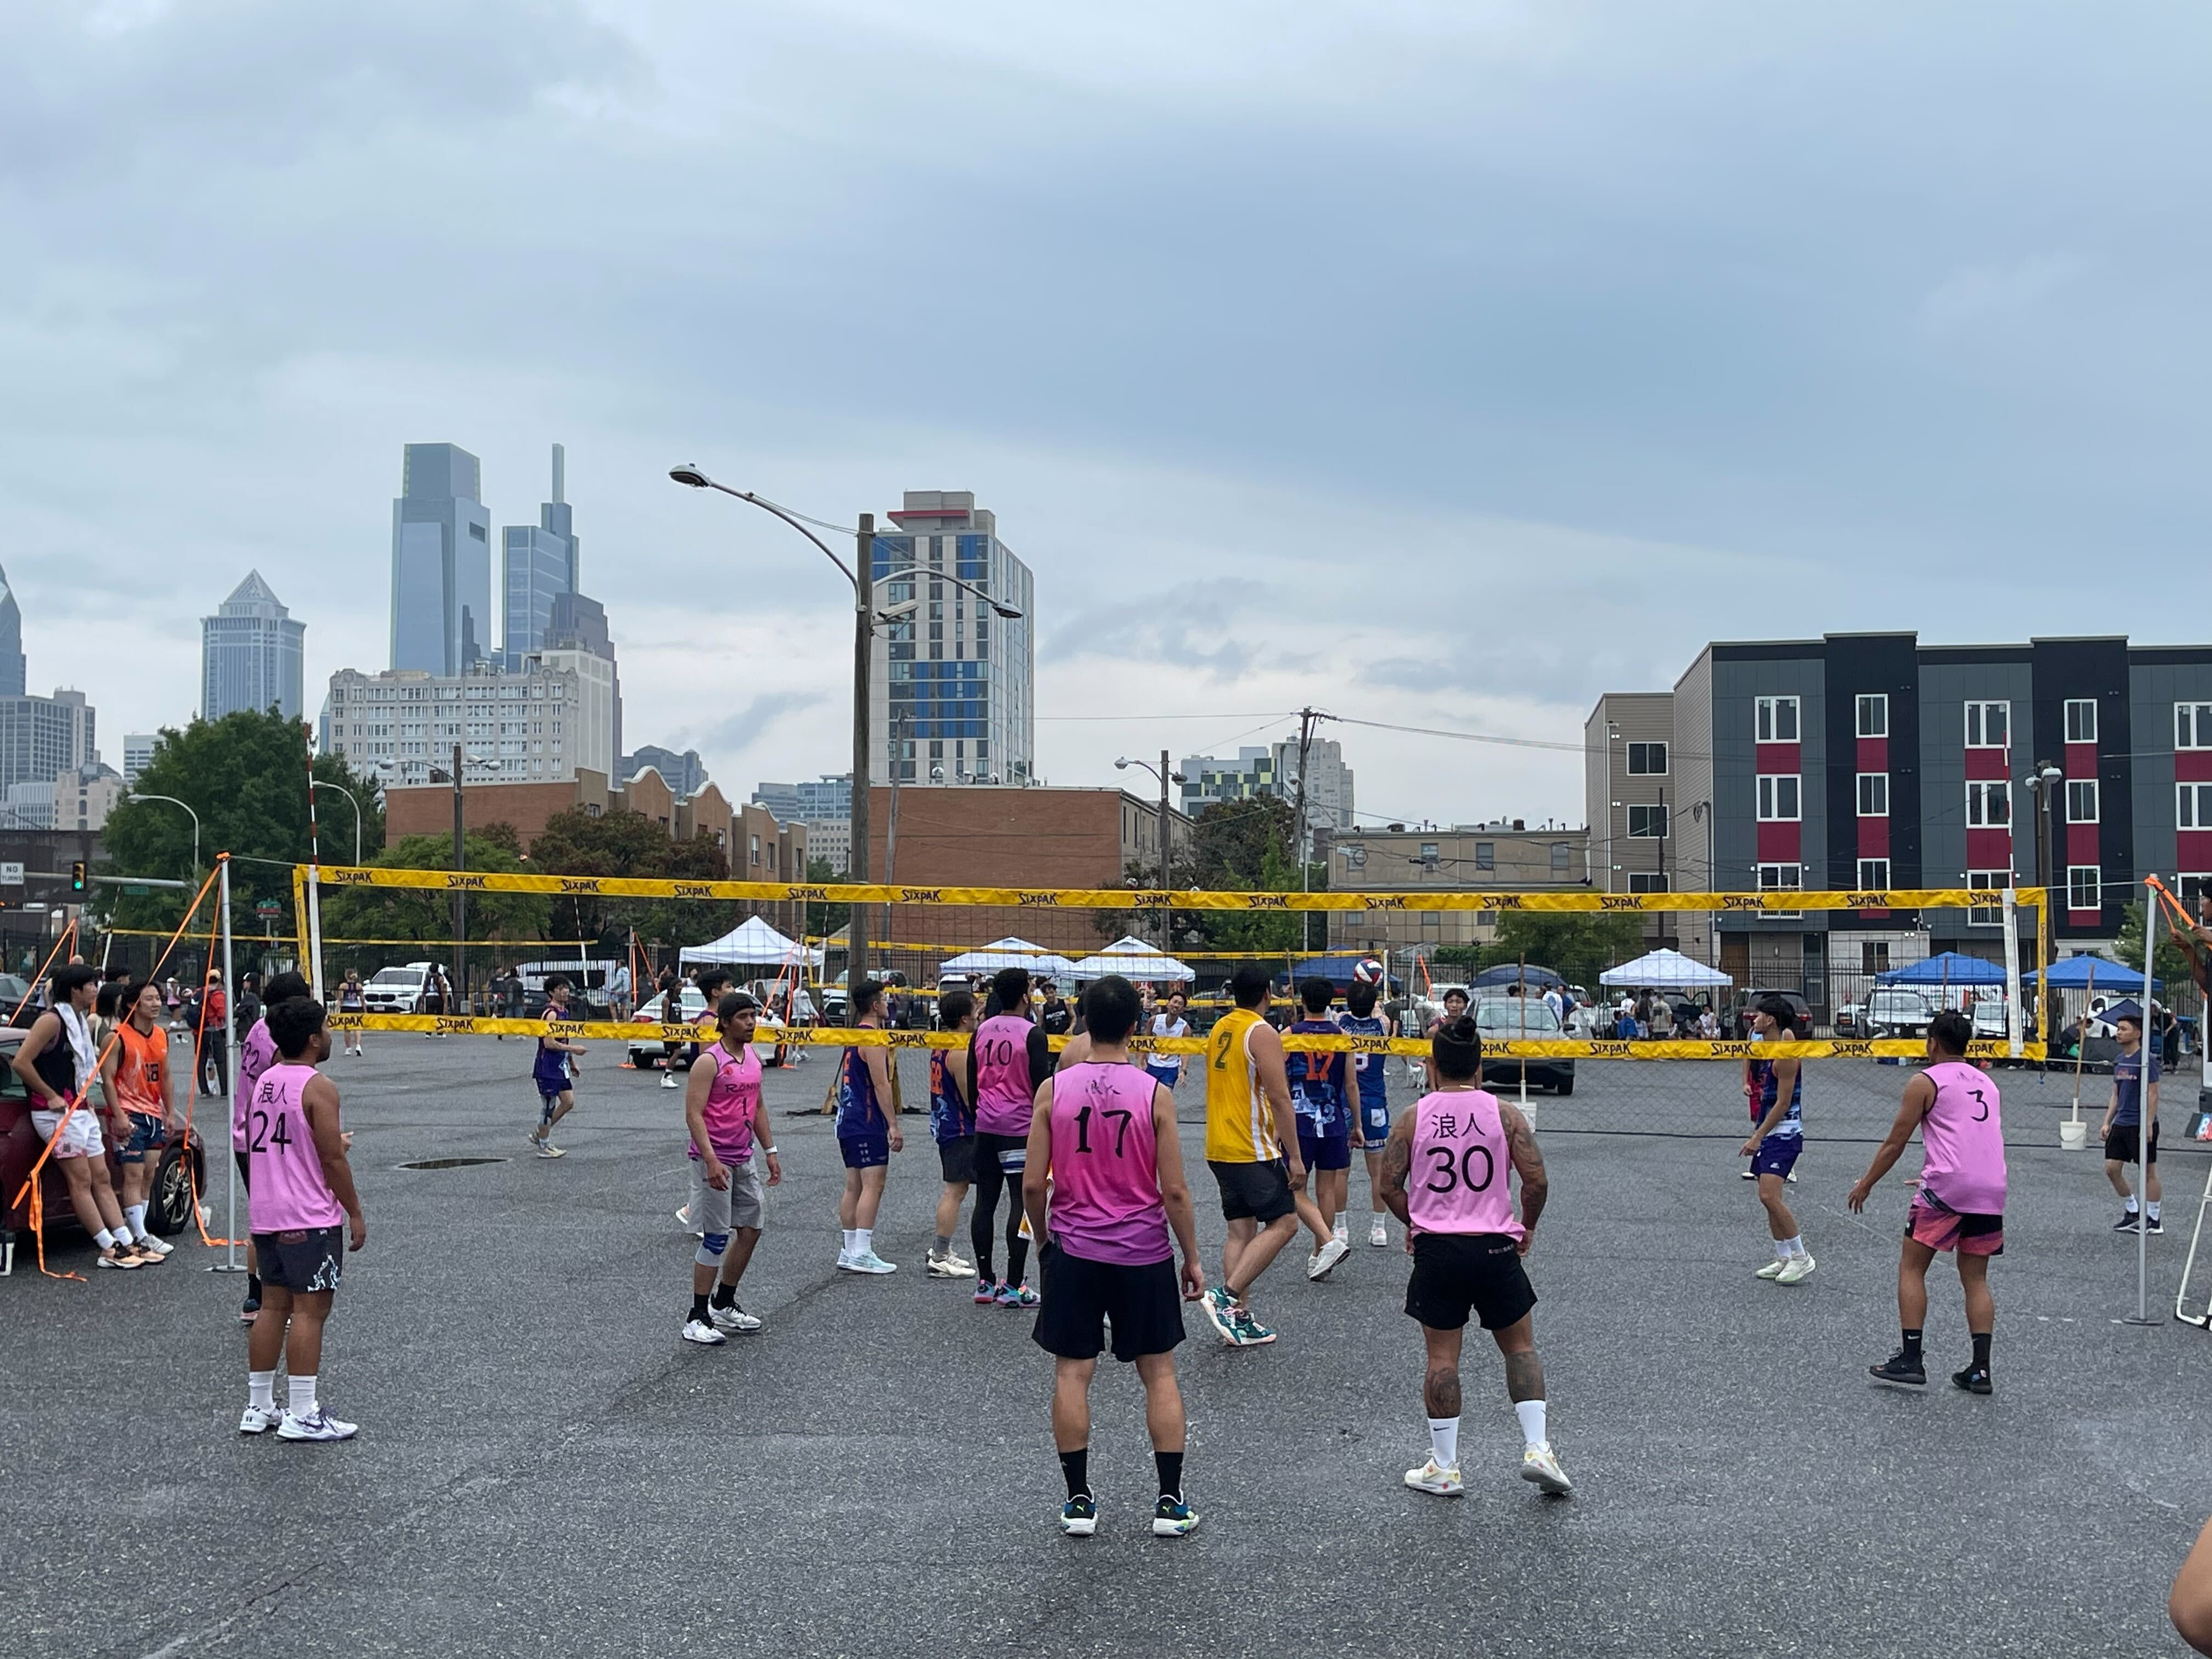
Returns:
<point x="823" y="918"/>
<point x="1236" y="846"/>
<point x="1577" y="946"/>
<point x="578" y="843"/>
<point x="2173" y="963"/>
<point x="245" y="775"/>
<point x="427" y="913"/>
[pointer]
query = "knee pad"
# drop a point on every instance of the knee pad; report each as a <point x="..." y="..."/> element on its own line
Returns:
<point x="711" y="1250"/>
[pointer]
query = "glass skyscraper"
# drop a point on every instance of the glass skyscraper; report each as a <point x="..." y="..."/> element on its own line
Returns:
<point x="538" y="563"/>
<point x="953" y="681"/>
<point x="251" y="653"/>
<point x="440" y="563"/>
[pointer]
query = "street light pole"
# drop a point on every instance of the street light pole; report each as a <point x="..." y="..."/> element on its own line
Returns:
<point x="318" y="783"/>
<point x="195" y="818"/>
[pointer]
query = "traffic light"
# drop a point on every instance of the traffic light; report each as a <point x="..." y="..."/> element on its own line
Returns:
<point x="76" y="876"/>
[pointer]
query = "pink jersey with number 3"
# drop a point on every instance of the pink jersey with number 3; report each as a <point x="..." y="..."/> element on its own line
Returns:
<point x="1105" y="1175"/>
<point x="1460" y="1177"/>
<point x="284" y="1174"/>
<point x="1963" y="1136"/>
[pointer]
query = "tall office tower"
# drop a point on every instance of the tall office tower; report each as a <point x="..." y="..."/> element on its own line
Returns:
<point x="539" y="563"/>
<point x="250" y="654"/>
<point x="13" y="683"/>
<point x="440" y="563"/>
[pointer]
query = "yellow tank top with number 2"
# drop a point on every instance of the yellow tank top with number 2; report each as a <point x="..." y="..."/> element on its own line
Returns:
<point x="1240" y="1125"/>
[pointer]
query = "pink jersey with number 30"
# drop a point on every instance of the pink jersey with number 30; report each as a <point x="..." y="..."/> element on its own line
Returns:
<point x="1105" y="1174"/>
<point x="285" y="1176"/>
<point x="1460" y="1180"/>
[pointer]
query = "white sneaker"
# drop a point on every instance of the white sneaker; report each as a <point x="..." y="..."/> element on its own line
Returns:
<point x="1539" y="1465"/>
<point x="317" y="1425"/>
<point x="869" y="1263"/>
<point x="1378" y="1234"/>
<point x="733" y="1318"/>
<point x="1796" y="1271"/>
<point x="547" y="1149"/>
<point x="684" y="1220"/>
<point x="1342" y="1236"/>
<point x="159" y="1246"/>
<point x="1771" y="1270"/>
<point x="1431" y="1477"/>
<point x="668" y="1080"/>
<point x="1324" y="1260"/>
<point x="949" y="1267"/>
<point x="844" y="1262"/>
<point x="259" y="1420"/>
<point x="704" y="1333"/>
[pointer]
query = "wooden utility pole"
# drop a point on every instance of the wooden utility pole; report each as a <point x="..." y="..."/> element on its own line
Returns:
<point x="1305" y="864"/>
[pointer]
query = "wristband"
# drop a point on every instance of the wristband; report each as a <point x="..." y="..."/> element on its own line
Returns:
<point x="769" y="1151"/>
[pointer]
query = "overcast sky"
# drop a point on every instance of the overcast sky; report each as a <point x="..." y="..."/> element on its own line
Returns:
<point x="1445" y="364"/>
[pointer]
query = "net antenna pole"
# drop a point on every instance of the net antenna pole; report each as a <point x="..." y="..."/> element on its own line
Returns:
<point x="315" y="881"/>
<point x="2142" y="1314"/>
<point x="230" y="1262"/>
<point x="2014" y="1044"/>
<point x="2202" y="1321"/>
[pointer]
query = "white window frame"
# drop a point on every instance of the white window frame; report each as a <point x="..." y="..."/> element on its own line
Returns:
<point x="1634" y="833"/>
<point x="1874" y="704"/>
<point x="1770" y="794"/>
<point x="2095" y="875"/>
<point x="1767" y="721"/>
<point x="2080" y="720"/>
<point x="1647" y="770"/>
<point x="1874" y="875"/>
<point x="2193" y="805"/>
<point x="1647" y="881"/>
<point x="1995" y="881"/>
<point x="1874" y="795"/>
<point x="1773" y="879"/>
<point x="2082" y="800"/>
<point x="1978" y="725"/>
<point x="2192" y="726"/>
<point x="1979" y="793"/>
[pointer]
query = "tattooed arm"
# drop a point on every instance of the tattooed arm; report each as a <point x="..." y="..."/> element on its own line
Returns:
<point x="1528" y="1165"/>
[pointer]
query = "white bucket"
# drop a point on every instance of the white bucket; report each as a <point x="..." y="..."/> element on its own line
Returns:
<point x="2073" y="1135"/>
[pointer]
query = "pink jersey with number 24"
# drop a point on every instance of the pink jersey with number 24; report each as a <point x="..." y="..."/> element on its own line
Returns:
<point x="285" y="1176"/>
<point x="1460" y="1180"/>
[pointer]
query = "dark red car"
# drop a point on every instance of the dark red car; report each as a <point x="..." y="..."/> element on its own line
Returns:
<point x="169" y="1208"/>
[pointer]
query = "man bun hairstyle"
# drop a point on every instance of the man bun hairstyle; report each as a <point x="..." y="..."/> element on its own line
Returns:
<point x="293" y="1024"/>
<point x="1952" y="1031"/>
<point x="1110" y="1008"/>
<point x="1456" y="1049"/>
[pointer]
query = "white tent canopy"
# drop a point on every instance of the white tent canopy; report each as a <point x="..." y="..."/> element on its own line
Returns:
<point x="1011" y="952"/>
<point x="754" y="945"/>
<point x="1133" y="958"/>
<point x="1664" y="971"/>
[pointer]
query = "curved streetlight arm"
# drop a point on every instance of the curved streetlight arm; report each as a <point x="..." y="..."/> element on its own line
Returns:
<point x="319" y="783"/>
<point x="698" y="480"/>
<point x="195" y="818"/>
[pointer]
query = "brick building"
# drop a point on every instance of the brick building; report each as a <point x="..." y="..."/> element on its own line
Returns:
<point x="1508" y="856"/>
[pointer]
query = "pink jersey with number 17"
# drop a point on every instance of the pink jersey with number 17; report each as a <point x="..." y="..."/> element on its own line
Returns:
<point x="284" y="1174"/>
<point x="1105" y="1171"/>
<point x="1460" y="1177"/>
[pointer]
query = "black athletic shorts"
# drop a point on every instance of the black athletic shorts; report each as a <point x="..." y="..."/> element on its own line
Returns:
<point x="2124" y="1142"/>
<point x="245" y="1170"/>
<point x="956" y="1158"/>
<point x="1256" y="1192"/>
<point x="1456" y="1273"/>
<point x="1079" y="1296"/>
<point x="302" y="1259"/>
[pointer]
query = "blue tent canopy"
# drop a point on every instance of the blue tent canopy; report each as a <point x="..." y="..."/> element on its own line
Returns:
<point x="1946" y="968"/>
<point x="1337" y="969"/>
<point x="2085" y="973"/>
<point x="1507" y="973"/>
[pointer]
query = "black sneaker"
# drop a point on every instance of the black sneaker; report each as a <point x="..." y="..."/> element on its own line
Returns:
<point x="1973" y="1380"/>
<point x="2156" y="1225"/>
<point x="1078" y="1516"/>
<point x="1899" y="1370"/>
<point x="247" y="1313"/>
<point x="2126" y="1224"/>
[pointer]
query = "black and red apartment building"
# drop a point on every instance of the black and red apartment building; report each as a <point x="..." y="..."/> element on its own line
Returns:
<point x="1866" y="762"/>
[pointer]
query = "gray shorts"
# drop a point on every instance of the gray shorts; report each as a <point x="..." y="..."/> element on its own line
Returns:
<point x="742" y="1205"/>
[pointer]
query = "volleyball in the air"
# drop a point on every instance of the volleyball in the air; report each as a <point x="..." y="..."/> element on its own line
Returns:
<point x="1368" y="971"/>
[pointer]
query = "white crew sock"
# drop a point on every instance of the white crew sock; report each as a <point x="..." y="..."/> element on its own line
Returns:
<point x="1531" y="1414"/>
<point x="261" y="1390"/>
<point x="136" y="1215"/>
<point x="1336" y="1225"/>
<point x="108" y="1241"/>
<point x="1794" y="1246"/>
<point x="303" y="1396"/>
<point x="2152" y="1207"/>
<point x="864" y="1240"/>
<point x="849" y="1237"/>
<point x="2132" y="1203"/>
<point x="1443" y="1442"/>
<point x="1782" y="1249"/>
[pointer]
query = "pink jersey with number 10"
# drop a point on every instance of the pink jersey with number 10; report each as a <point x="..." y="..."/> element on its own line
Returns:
<point x="1105" y="1175"/>
<point x="285" y="1175"/>
<point x="1460" y="1180"/>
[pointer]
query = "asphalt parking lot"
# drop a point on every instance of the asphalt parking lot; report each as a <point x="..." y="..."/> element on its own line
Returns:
<point x="543" y="1468"/>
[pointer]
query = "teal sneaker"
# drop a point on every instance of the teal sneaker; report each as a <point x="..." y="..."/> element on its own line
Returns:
<point x="1247" y="1332"/>
<point x="1078" y="1516"/>
<point x="1172" y="1518"/>
<point x="1221" y="1309"/>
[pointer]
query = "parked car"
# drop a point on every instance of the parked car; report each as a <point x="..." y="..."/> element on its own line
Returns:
<point x="646" y="1052"/>
<point x="1802" y="1010"/>
<point x="169" y="1210"/>
<point x="397" y="990"/>
<point x="1503" y="1018"/>
<point x="17" y="992"/>
<point x="587" y="987"/>
<point x="1897" y="1011"/>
